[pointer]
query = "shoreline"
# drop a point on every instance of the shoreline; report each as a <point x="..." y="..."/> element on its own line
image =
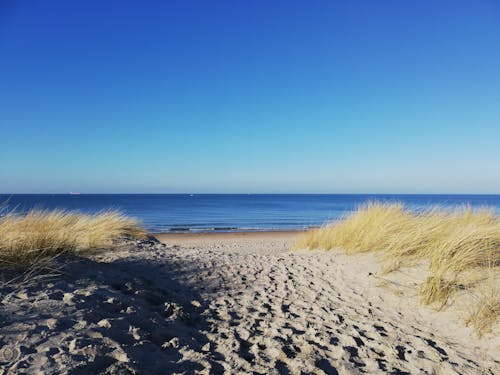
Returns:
<point x="224" y="230"/>
<point x="227" y="236"/>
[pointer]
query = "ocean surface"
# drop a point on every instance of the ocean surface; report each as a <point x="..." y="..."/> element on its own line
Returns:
<point x="233" y="212"/>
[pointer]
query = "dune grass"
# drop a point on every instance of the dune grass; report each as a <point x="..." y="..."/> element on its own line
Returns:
<point x="461" y="248"/>
<point x="27" y="238"/>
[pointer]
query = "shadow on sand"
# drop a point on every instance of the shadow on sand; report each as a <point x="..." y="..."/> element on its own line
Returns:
<point x="126" y="316"/>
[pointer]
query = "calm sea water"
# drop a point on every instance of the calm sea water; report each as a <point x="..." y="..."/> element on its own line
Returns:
<point x="233" y="212"/>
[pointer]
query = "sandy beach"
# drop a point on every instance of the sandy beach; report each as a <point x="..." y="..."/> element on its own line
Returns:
<point x="231" y="303"/>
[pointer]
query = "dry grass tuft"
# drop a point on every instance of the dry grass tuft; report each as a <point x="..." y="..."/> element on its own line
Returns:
<point x="459" y="245"/>
<point x="367" y="229"/>
<point x="436" y="290"/>
<point x="25" y="239"/>
<point x="486" y="313"/>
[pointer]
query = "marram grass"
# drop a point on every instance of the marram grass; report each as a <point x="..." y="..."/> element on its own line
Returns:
<point x="26" y="238"/>
<point x="460" y="246"/>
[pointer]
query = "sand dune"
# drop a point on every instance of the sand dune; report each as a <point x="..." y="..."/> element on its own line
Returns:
<point x="231" y="304"/>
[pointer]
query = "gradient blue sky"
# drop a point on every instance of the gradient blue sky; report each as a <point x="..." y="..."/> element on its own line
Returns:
<point x="250" y="96"/>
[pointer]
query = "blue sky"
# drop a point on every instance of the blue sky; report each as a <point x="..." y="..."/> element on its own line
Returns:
<point x="250" y="96"/>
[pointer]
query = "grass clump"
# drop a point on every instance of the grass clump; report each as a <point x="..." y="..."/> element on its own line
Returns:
<point x="27" y="238"/>
<point x="460" y="246"/>
<point x="369" y="228"/>
<point x="486" y="311"/>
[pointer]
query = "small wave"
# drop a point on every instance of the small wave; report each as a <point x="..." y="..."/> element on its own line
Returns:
<point x="202" y="229"/>
<point x="180" y="229"/>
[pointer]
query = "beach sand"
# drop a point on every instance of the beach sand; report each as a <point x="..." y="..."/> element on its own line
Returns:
<point x="232" y="303"/>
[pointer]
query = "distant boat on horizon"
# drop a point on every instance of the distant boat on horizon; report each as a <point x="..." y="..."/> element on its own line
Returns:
<point x="74" y="193"/>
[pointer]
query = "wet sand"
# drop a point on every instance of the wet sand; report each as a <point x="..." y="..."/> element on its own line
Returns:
<point x="225" y="237"/>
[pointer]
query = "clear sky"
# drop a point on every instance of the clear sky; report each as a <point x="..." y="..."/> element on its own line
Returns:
<point x="250" y="96"/>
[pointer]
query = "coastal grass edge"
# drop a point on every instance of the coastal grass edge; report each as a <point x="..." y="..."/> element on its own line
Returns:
<point x="40" y="234"/>
<point x="461" y="248"/>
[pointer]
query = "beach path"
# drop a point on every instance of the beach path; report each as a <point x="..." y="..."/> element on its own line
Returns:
<point x="316" y="311"/>
<point x="227" y="304"/>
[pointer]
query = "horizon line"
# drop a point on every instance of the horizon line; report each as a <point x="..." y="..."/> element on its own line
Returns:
<point x="283" y="193"/>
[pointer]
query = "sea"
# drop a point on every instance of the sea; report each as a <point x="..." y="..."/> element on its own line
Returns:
<point x="163" y="213"/>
